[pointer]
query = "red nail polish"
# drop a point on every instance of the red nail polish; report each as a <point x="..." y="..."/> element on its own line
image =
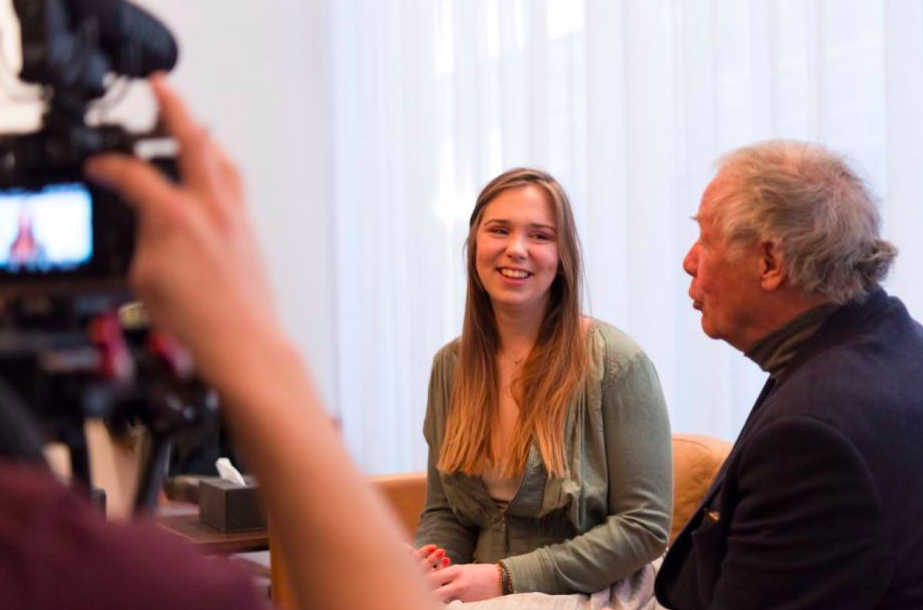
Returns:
<point x="440" y="553"/>
<point x="446" y="561"/>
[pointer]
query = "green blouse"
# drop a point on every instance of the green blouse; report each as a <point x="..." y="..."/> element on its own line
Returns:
<point x="609" y="517"/>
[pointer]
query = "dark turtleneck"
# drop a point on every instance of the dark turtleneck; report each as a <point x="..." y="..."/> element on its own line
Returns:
<point x="773" y="352"/>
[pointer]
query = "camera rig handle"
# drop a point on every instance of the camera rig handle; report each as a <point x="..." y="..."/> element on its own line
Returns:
<point x="70" y="360"/>
<point x="171" y="399"/>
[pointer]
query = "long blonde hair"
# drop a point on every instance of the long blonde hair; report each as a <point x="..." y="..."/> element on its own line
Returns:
<point x="551" y="373"/>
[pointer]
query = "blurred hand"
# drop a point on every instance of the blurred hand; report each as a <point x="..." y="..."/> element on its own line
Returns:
<point x="429" y="558"/>
<point x="468" y="583"/>
<point x="198" y="270"/>
<point x="196" y="267"/>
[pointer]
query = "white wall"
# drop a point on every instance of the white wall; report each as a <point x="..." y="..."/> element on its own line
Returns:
<point x="256" y="74"/>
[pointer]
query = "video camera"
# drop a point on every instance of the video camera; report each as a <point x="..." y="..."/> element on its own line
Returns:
<point x="71" y="341"/>
<point x="57" y="232"/>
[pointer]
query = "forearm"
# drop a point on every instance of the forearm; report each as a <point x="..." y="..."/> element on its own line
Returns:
<point x="439" y="524"/>
<point x="334" y="527"/>
<point x="197" y="268"/>
<point x="440" y="527"/>
<point x="589" y="562"/>
<point x="638" y="472"/>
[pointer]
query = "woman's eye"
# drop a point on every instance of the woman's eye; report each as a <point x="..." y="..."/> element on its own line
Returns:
<point x="542" y="237"/>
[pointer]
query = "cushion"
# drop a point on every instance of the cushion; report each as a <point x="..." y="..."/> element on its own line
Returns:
<point x="696" y="461"/>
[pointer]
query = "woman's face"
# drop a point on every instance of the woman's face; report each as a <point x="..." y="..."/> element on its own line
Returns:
<point x="516" y="252"/>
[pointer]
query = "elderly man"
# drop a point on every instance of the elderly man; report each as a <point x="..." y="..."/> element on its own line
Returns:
<point x="820" y="503"/>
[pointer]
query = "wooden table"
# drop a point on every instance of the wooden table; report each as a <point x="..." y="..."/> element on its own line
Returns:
<point x="183" y="520"/>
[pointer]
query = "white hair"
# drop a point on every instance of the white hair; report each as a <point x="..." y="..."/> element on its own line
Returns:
<point x="815" y="208"/>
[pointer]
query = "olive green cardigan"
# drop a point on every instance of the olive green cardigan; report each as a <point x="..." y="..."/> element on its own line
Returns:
<point x="608" y="517"/>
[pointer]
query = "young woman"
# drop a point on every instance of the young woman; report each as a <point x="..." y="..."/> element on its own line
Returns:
<point x="549" y="445"/>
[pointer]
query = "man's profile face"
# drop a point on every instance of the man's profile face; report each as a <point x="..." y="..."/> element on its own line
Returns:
<point x="725" y="284"/>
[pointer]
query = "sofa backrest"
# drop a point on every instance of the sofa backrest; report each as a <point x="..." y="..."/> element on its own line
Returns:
<point x="696" y="461"/>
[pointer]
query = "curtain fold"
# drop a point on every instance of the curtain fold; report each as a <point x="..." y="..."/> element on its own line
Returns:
<point x="628" y="104"/>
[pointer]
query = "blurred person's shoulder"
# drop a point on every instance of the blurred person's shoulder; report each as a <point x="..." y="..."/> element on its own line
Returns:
<point x="58" y="552"/>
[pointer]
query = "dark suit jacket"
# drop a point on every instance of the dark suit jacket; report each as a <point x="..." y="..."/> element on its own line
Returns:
<point x="820" y="502"/>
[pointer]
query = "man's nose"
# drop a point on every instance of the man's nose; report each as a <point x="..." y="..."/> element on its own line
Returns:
<point x="691" y="261"/>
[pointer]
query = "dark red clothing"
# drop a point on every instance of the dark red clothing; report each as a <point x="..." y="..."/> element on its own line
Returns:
<point x="57" y="553"/>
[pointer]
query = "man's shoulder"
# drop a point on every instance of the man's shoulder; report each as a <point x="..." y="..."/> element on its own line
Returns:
<point x="876" y="363"/>
<point x="866" y="390"/>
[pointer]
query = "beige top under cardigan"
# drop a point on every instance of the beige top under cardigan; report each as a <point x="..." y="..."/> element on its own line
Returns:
<point x="501" y="489"/>
<point x="607" y="518"/>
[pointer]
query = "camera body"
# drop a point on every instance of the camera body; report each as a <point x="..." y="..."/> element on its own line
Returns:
<point x="58" y="232"/>
<point x="72" y="344"/>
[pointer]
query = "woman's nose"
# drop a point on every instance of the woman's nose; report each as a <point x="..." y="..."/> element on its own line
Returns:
<point x="516" y="247"/>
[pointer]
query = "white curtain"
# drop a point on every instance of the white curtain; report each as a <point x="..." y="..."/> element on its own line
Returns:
<point x="628" y="104"/>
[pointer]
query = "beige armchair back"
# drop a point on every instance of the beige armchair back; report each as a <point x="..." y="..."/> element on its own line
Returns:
<point x="696" y="461"/>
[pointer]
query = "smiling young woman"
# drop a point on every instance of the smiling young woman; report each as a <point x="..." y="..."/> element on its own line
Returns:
<point x="549" y="465"/>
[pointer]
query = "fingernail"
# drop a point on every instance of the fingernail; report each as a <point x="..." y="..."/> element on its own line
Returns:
<point x="440" y="553"/>
<point x="446" y="561"/>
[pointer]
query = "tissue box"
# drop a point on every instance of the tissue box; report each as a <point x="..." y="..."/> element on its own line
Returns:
<point x="231" y="508"/>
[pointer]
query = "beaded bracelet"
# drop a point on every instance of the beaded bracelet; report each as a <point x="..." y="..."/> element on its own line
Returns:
<point x="506" y="581"/>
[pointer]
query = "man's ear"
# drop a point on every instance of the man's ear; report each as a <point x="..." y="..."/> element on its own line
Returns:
<point x="772" y="269"/>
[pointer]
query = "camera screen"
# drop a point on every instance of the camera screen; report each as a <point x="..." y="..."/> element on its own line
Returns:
<point x="46" y="230"/>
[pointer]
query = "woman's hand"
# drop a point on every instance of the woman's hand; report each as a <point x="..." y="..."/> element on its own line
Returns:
<point x="197" y="266"/>
<point x="468" y="583"/>
<point x="430" y="558"/>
